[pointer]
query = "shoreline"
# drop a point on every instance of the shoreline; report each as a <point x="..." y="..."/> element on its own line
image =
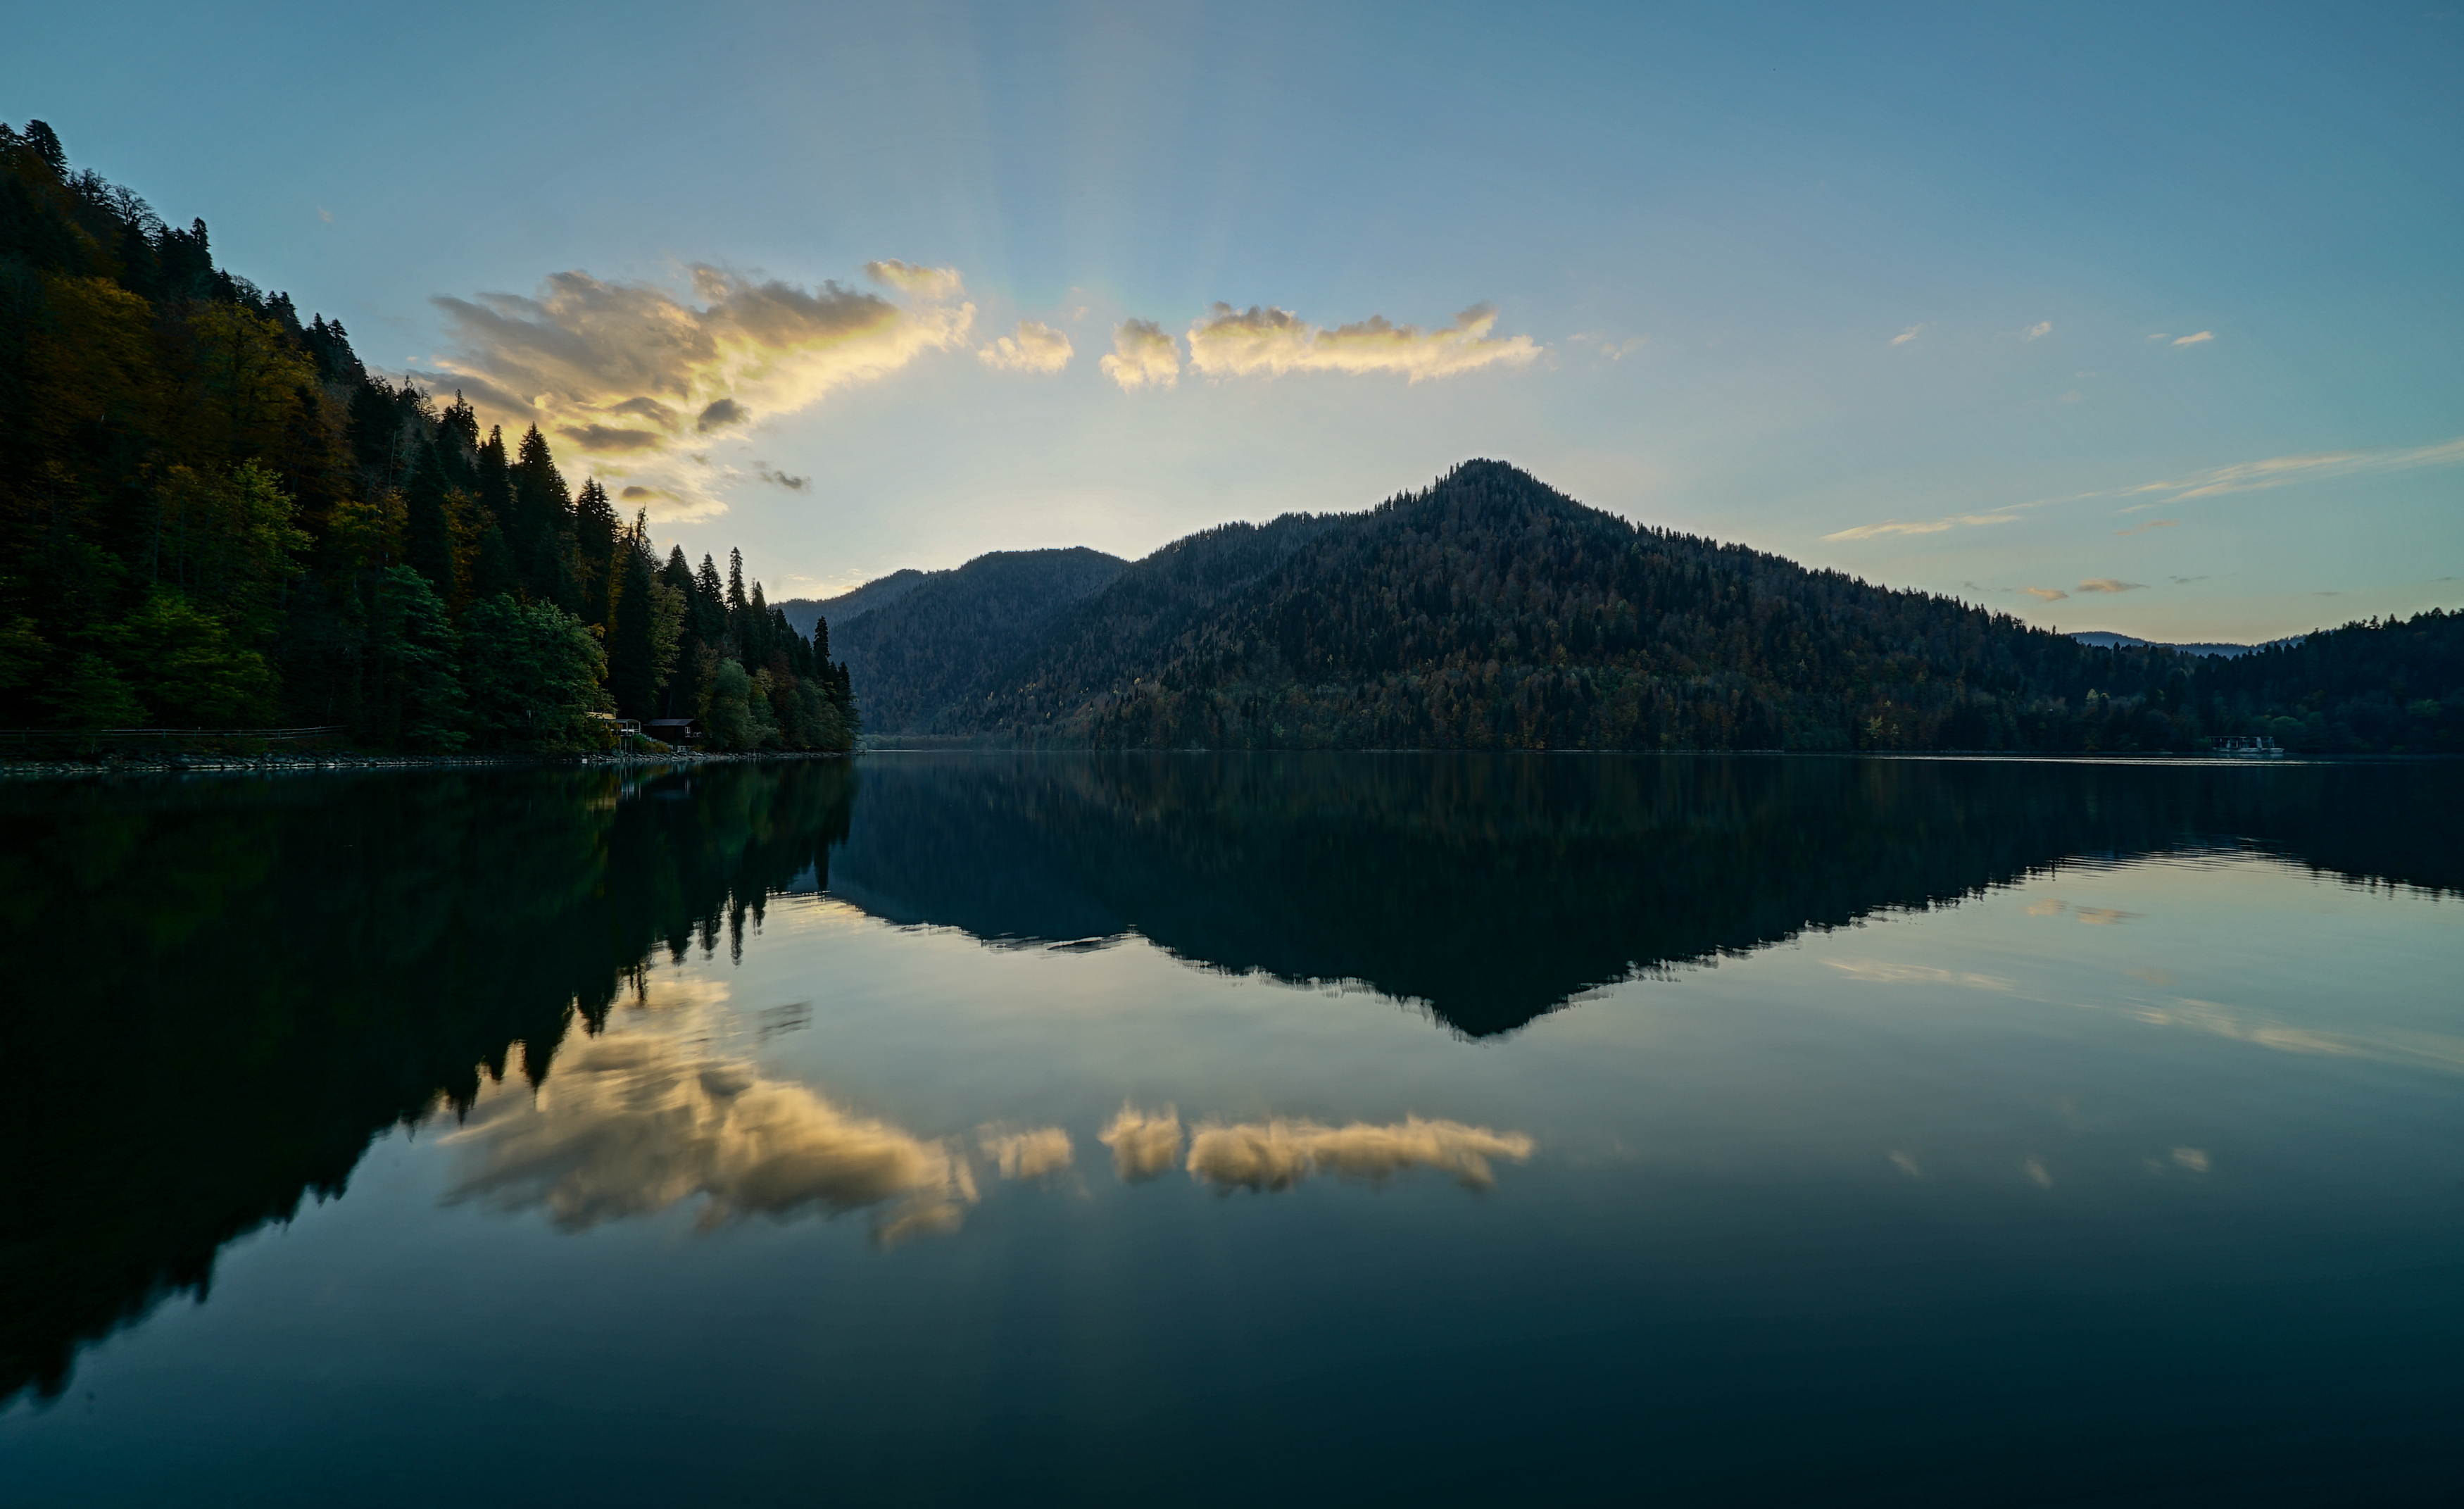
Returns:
<point x="303" y="764"/>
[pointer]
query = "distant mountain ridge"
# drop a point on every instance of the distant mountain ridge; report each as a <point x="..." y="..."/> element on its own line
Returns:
<point x="1491" y="612"/>
<point x="804" y="611"/>
<point x="2104" y="640"/>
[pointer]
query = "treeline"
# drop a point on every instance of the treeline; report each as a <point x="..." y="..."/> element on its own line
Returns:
<point x="1491" y="612"/>
<point x="212" y="515"/>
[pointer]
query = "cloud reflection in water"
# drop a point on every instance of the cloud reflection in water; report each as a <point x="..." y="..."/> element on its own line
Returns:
<point x="631" y="1124"/>
<point x="1278" y="1154"/>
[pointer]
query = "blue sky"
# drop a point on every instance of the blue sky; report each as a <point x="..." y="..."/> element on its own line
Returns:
<point x="2135" y="317"/>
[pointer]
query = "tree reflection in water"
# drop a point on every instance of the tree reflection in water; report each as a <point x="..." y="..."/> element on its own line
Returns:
<point x="236" y="983"/>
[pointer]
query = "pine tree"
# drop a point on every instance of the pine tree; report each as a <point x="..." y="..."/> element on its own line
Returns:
<point x="492" y="573"/>
<point x="542" y="531"/>
<point x="632" y="674"/>
<point x="594" y="534"/>
<point x="427" y="530"/>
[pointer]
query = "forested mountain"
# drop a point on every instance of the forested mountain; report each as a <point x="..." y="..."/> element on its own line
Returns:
<point x="951" y="637"/>
<point x="213" y="516"/>
<point x="1491" y="612"/>
<point x="803" y="612"/>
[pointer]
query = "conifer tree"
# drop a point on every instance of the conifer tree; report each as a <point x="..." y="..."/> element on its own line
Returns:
<point x="542" y="532"/>
<point x="594" y="532"/>
<point x="632" y="674"/>
<point x="428" y="528"/>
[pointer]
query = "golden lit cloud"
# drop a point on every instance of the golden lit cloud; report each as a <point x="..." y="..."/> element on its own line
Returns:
<point x="1278" y="1154"/>
<point x="2107" y="584"/>
<point x="1907" y="335"/>
<point x="2045" y="594"/>
<point x="1142" y="356"/>
<point x="1266" y="342"/>
<point x="2202" y="338"/>
<point x="631" y="1124"/>
<point x="1033" y="1154"/>
<point x="1144" y="1144"/>
<point x="629" y="372"/>
<point x="1036" y="347"/>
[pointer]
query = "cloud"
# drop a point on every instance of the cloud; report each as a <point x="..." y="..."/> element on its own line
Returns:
<point x="1266" y="342"/>
<point x="2194" y="340"/>
<point x="2279" y="471"/>
<point x="2240" y="478"/>
<point x="1036" y="347"/>
<point x="628" y="1125"/>
<point x="608" y="441"/>
<point x="722" y="414"/>
<point x="582" y="352"/>
<point x="1924" y="527"/>
<point x="1027" y="1155"/>
<point x="1278" y="1154"/>
<point x="2045" y="594"/>
<point x="2162" y="335"/>
<point x="651" y="408"/>
<point x="793" y="484"/>
<point x="1142" y="356"/>
<point x="2102" y="915"/>
<point x="645" y="495"/>
<point x="938" y="284"/>
<point x="2193" y="1158"/>
<point x="2107" y="584"/>
<point x="1144" y="1144"/>
<point x="325" y="215"/>
<point x="1907" y="335"/>
<point x="2153" y="523"/>
<point x="2042" y="327"/>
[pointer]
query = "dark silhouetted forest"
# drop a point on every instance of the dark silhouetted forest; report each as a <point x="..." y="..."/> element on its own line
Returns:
<point x="948" y="637"/>
<point x="1492" y="613"/>
<point x="213" y="516"/>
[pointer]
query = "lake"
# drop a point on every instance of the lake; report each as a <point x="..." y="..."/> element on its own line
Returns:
<point x="1214" y="1128"/>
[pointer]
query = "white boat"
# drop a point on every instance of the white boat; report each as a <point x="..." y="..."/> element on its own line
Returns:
<point x="2250" y="747"/>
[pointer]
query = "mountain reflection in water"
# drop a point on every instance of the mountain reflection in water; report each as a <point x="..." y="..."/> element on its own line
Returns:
<point x="243" y="981"/>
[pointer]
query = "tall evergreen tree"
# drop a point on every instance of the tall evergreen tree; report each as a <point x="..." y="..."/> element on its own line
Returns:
<point x="428" y="527"/>
<point x="594" y="534"/>
<point x="542" y="532"/>
<point x="633" y="670"/>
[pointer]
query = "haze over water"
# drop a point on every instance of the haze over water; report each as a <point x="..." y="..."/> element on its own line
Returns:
<point x="1221" y="1127"/>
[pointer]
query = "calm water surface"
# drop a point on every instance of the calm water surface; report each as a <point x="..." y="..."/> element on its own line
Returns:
<point x="1204" y="1129"/>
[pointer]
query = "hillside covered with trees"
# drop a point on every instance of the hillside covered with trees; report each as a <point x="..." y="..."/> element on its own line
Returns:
<point x="213" y="516"/>
<point x="1491" y="612"/>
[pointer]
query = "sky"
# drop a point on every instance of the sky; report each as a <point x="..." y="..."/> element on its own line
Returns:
<point x="2135" y="318"/>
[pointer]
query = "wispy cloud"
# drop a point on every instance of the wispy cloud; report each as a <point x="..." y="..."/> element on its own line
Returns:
<point x="793" y="484"/>
<point x="2045" y="594"/>
<point x="2153" y="523"/>
<point x="1266" y="342"/>
<point x="2107" y="584"/>
<point x="2240" y="478"/>
<point x="2196" y="339"/>
<point x="1036" y="347"/>
<point x="2280" y="471"/>
<point x="1929" y="526"/>
<point x="2042" y="327"/>
<point x="1142" y="356"/>
<point x="1907" y="335"/>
